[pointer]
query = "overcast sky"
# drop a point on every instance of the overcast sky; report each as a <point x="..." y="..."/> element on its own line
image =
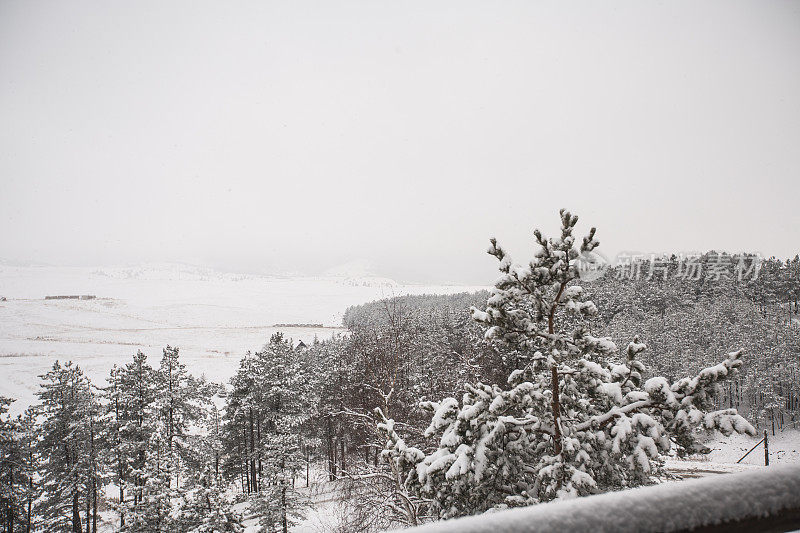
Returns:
<point x="295" y="136"/>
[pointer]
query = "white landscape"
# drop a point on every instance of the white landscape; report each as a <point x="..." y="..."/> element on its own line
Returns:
<point x="213" y="317"/>
<point x="352" y="266"/>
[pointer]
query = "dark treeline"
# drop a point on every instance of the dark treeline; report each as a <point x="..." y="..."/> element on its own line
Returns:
<point x="180" y="453"/>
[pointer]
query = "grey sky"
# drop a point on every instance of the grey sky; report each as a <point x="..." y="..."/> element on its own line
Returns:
<point x="299" y="135"/>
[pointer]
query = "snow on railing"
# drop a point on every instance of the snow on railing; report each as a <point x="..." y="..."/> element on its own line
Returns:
<point x="762" y="500"/>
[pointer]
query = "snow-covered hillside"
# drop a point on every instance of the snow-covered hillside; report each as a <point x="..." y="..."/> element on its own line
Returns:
<point x="214" y="317"/>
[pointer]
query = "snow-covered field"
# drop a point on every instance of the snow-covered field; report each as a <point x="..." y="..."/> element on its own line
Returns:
<point x="213" y="317"/>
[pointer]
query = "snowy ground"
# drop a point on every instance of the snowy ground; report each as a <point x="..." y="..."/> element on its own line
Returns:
<point x="784" y="449"/>
<point x="213" y="317"/>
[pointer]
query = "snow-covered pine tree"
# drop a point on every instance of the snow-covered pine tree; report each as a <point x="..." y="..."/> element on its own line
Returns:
<point x="278" y="506"/>
<point x="155" y="411"/>
<point x="202" y="505"/>
<point x="27" y="484"/>
<point x="576" y="421"/>
<point x="337" y="366"/>
<point x="113" y="417"/>
<point x="8" y="501"/>
<point x="152" y="511"/>
<point x="264" y="430"/>
<point x="204" y="509"/>
<point x="212" y="446"/>
<point x="237" y="433"/>
<point x="18" y="468"/>
<point x="180" y="403"/>
<point x="91" y="413"/>
<point x="134" y="410"/>
<point x="64" y="447"/>
<point x="284" y="404"/>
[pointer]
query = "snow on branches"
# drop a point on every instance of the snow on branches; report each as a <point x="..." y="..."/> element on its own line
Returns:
<point x="577" y="420"/>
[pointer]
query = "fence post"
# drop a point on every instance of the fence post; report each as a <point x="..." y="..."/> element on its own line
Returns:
<point x="766" y="449"/>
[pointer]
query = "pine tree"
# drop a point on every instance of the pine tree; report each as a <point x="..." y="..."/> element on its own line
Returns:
<point x="284" y="403"/>
<point x="204" y="509"/>
<point x="64" y="447"/>
<point x="155" y="413"/>
<point x="238" y="433"/>
<point x="181" y="403"/>
<point x="113" y="418"/>
<point x="132" y="399"/>
<point x="18" y="468"/>
<point x="266" y="424"/>
<point x="338" y="368"/>
<point x="575" y="421"/>
<point x="9" y="467"/>
<point x="201" y="506"/>
<point x="8" y="501"/>
<point x="91" y="415"/>
<point x="28" y="463"/>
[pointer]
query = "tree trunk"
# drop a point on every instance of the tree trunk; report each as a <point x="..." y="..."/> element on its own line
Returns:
<point x="30" y="505"/>
<point x="246" y="459"/>
<point x="556" y="410"/>
<point x="88" y="508"/>
<point x="94" y="505"/>
<point x="121" y="501"/>
<point x="554" y="378"/>
<point x="283" y="509"/>
<point x="76" y="513"/>
<point x="331" y="452"/>
<point x="11" y="491"/>
<point x="253" y="482"/>
<point x="258" y="434"/>
<point x="29" y="516"/>
<point x="341" y="455"/>
<point x="243" y="469"/>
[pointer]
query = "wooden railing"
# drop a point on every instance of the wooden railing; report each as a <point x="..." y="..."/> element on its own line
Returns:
<point x="764" y="500"/>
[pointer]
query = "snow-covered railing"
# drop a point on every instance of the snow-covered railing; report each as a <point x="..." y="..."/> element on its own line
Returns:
<point x="763" y="500"/>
